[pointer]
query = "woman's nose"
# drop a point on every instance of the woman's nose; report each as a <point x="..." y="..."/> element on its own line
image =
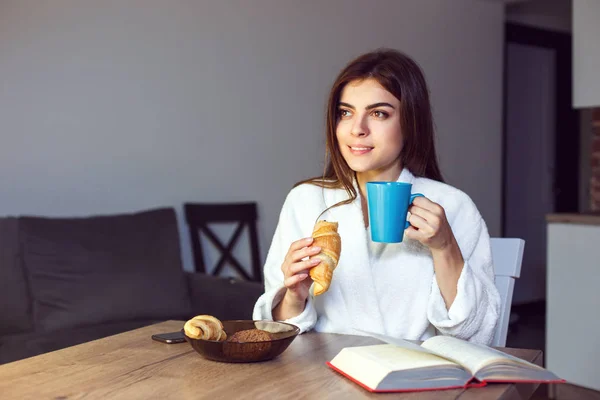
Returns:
<point x="360" y="128"/>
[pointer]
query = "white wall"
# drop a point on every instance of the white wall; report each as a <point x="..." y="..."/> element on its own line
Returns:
<point x="586" y="53"/>
<point x="572" y="302"/>
<point x="554" y="15"/>
<point x="118" y="106"/>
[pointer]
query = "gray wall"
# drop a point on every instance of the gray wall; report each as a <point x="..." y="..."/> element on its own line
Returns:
<point x="554" y="15"/>
<point x="586" y="53"/>
<point x="113" y="106"/>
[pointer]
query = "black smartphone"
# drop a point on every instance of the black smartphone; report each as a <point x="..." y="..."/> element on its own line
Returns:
<point x="169" y="337"/>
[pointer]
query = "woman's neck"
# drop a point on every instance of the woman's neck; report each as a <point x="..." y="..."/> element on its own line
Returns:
<point x="388" y="175"/>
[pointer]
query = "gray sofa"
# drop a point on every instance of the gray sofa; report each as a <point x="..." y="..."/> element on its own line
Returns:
<point x="65" y="281"/>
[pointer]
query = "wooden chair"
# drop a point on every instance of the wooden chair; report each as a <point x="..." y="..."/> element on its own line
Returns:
<point x="199" y="216"/>
<point x="507" y="255"/>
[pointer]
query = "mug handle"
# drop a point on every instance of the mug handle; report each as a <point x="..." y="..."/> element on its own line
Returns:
<point x="412" y="198"/>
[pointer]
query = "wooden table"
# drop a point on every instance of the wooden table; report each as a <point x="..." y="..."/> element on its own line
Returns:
<point x="132" y="366"/>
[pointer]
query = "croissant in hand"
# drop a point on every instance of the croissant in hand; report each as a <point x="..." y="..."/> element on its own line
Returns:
<point x="325" y="236"/>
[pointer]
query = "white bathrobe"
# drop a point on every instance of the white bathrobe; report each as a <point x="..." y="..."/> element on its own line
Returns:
<point x="389" y="289"/>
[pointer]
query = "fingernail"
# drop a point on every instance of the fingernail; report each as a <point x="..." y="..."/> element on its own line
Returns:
<point x="309" y="239"/>
<point x="315" y="261"/>
<point x="316" y="248"/>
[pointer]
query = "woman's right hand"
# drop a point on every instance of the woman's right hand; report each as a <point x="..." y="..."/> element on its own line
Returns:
<point x="296" y="278"/>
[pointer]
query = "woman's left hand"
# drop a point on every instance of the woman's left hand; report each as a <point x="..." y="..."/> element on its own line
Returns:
<point x="429" y="225"/>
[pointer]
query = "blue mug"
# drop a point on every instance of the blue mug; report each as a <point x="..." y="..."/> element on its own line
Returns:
<point x="388" y="204"/>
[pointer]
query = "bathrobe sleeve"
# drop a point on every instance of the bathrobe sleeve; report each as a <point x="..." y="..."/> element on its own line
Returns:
<point x="288" y="230"/>
<point x="475" y="311"/>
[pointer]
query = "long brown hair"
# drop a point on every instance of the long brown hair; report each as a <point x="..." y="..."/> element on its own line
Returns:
<point x="402" y="77"/>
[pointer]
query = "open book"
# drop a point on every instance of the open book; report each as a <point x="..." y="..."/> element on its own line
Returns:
<point x="440" y="362"/>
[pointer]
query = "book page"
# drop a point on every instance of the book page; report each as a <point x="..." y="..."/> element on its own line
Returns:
<point x="397" y="358"/>
<point x="396" y="367"/>
<point x="471" y="355"/>
<point x="394" y="358"/>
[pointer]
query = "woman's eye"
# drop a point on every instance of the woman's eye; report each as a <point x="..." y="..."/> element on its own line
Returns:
<point x="380" y="114"/>
<point x="344" y="113"/>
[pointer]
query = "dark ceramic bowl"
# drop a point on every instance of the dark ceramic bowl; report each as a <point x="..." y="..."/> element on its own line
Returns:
<point x="282" y="334"/>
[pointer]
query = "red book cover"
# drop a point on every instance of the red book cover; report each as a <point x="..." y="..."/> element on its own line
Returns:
<point x="473" y="383"/>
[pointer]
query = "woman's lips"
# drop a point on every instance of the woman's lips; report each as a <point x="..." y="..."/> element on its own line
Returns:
<point x="360" y="150"/>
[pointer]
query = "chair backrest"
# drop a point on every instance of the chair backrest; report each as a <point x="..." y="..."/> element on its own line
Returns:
<point x="507" y="255"/>
<point x="199" y="216"/>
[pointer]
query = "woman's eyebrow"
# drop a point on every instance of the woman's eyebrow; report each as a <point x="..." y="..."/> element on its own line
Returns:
<point x="369" y="107"/>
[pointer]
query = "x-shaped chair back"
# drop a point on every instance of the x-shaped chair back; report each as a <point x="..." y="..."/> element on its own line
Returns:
<point x="199" y="216"/>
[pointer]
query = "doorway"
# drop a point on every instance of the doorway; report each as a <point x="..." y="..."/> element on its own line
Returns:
<point x="540" y="146"/>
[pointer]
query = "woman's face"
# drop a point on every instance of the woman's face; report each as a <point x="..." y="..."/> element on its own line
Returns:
<point x="368" y="130"/>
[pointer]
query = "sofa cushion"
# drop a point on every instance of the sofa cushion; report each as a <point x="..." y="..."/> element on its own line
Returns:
<point x="14" y="298"/>
<point x="225" y="298"/>
<point x="16" y="347"/>
<point x="86" y="271"/>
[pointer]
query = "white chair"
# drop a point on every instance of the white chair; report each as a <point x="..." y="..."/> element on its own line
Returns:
<point x="507" y="255"/>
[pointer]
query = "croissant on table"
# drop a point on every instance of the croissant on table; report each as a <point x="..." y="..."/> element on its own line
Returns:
<point x="325" y="236"/>
<point x="205" y="327"/>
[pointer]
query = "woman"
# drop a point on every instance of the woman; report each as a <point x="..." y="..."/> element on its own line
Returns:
<point x="440" y="278"/>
